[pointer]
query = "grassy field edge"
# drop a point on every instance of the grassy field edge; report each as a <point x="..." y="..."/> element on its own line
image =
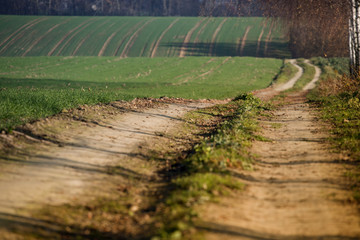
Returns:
<point x="32" y="88"/>
<point x="338" y="97"/>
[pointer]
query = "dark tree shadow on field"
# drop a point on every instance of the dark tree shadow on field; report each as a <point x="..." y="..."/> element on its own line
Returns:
<point x="274" y="49"/>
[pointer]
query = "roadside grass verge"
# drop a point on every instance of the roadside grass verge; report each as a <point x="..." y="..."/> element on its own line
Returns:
<point x="332" y="66"/>
<point x="343" y="112"/>
<point x="19" y="106"/>
<point x="203" y="175"/>
<point x="339" y="100"/>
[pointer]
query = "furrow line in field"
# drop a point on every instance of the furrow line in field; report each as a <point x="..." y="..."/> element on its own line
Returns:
<point x="192" y="71"/>
<point x="187" y="38"/>
<point x="214" y="68"/>
<point x="153" y="52"/>
<point x="18" y="30"/>
<point x="144" y="47"/>
<point x="124" y="38"/>
<point x="186" y="80"/>
<point x="268" y="37"/>
<point x="102" y="50"/>
<point x="86" y="38"/>
<point x="44" y="35"/>
<point x="259" y="40"/>
<point x="132" y="39"/>
<point x="196" y="41"/>
<point x="108" y="40"/>
<point x="201" y="31"/>
<point x="71" y="37"/>
<point x="65" y="36"/>
<point x="21" y="33"/>
<point x="243" y="40"/>
<point x="212" y="45"/>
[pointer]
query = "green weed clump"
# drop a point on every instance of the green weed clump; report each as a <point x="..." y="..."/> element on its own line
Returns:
<point x="308" y="75"/>
<point x="227" y="147"/>
<point x="205" y="173"/>
<point x="343" y="112"/>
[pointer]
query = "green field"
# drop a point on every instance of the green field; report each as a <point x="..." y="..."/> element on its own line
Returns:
<point x="36" y="87"/>
<point x="140" y="36"/>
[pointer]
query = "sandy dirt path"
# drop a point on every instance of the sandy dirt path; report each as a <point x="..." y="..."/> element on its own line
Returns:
<point x="297" y="190"/>
<point x="59" y="172"/>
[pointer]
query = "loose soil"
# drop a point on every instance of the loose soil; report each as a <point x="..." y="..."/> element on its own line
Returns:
<point x="153" y="52"/>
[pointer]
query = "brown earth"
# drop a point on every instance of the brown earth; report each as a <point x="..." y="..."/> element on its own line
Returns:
<point x="80" y="155"/>
<point x="298" y="188"/>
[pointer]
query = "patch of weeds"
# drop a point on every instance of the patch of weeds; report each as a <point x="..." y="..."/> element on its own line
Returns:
<point x="308" y="75"/>
<point x="335" y="66"/>
<point x="203" y="176"/>
<point x="343" y="112"/>
<point x="276" y="125"/>
<point x="354" y="178"/>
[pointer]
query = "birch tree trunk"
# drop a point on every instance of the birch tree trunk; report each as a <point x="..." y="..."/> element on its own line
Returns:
<point x="49" y="11"/>
<point x="354" y="38"/>
<point x="165" y="10"/>
<point x="118" y="6"/>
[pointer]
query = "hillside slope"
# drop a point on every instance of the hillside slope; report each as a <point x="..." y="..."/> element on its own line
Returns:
<point x="140" y="36"/>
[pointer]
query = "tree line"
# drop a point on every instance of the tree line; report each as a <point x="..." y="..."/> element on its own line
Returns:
<point x="132" y="7"/>
<point x="314" y="28"/>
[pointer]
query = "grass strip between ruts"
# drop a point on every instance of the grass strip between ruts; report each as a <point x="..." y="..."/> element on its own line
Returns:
<point x="204" y="175"/>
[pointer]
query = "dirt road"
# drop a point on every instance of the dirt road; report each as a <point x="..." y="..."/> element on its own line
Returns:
<point x="298" y="187"/>
<point x="296" y="191"/>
